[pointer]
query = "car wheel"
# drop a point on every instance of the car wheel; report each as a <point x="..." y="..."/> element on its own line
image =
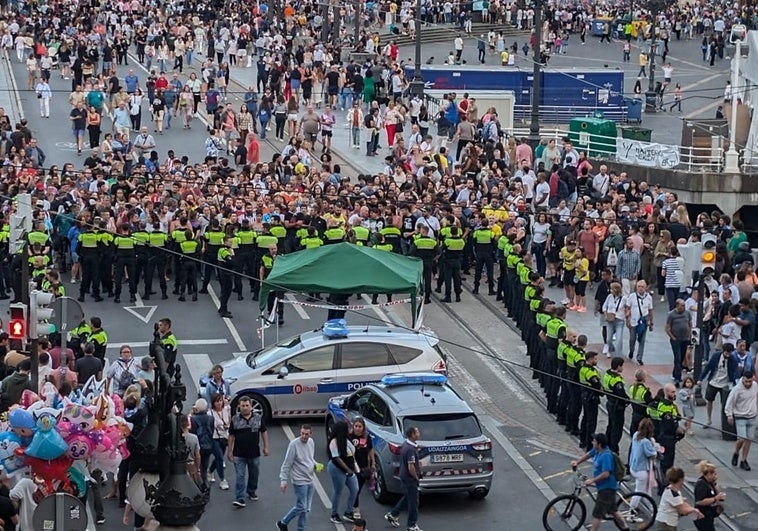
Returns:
<point x="380" y="488"/>
<point x="478" y="494"/>
<point x="260" y="406"/>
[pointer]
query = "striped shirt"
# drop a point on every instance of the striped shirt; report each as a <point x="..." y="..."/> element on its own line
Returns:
<point x="674" y="273"/>
<point x="628" y="265"/>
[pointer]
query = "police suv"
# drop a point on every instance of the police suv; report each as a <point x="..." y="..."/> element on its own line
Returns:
<point x="297" y="376"/>
<point x="455" y="456"/>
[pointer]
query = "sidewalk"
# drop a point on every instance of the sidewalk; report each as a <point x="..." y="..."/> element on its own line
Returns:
<point x="9" y="99"/>
<point x="742" y="495"/>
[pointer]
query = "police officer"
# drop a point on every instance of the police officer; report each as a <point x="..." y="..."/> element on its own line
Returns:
<point x="360" y="235"/>
<point x="280" y="232"/>
<point x="126" y="260"/>
<point x="190" y="253"/>
<point x="537" y="356"/>
<point x="157" y="248"/>
<point x="334" y="233"/>
<point x="245" y="255"/>
<point x="225" y="259"/>
<point x="504" y="248"/>
<point x="589" y="378"/>
<point x="451" y="258"/>
<point x="668" y="432"/>
<point x="177" y="236"/>
<point x="555" y="331"/>
<point x="381" y="245"/>
<point x="425" y="248"/>
<point x="98" y="338"/>
<point x="141" y="258"/>
<point x="565" y="348"/>
<point x="575" y="359"/>
<point x="640" y="395"/>
<point x="267" y="264"/>
<point x="78" y="337"/>
<point x="393" y="236"/>
<point x="484" y="247"/>
<point x="169" y="344"/>
<point x="88" y="248"/>
<point x="311" y="239"/>
<point x="106" y="258"/>
<point x="213" y="239"/>
<point x="617" y="399"/>
<point x="263" y="243"/>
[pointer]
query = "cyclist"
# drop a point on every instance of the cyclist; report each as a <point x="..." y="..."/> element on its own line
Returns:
<point x="604" y="479"/>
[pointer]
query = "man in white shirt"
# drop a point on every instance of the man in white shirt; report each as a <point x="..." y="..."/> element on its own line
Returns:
<point x="541" y="192"/>
<point x="458" y="43"/>
<point x="144" y="142"/>
<point x="601" y="182"/>
<point x="741" y="410"/>
<point x="44" y="94"/>
<point x="427" y="220"/>
<point x="639" y="307"/>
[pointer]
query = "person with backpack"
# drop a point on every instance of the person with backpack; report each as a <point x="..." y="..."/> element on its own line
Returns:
<point x="607" y="472"/>
<point x="202" y="425"/>
<point x="123" y="372"/>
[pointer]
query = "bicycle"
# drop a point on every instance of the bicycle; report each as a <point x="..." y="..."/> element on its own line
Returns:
<point x="569" y="511"/>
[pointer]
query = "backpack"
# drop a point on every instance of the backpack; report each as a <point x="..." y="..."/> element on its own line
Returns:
<point x="619" y="468"/>
<point x="125" y="377"/>
<point x="204" y="436"/>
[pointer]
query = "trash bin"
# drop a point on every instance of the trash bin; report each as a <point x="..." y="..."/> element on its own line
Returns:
<point x="636" y="133"/>
<point x="633" y="109"/>
<point x="596" y="136"/>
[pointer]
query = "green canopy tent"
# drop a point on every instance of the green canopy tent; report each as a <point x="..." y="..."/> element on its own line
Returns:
<point x="345" y="268"/>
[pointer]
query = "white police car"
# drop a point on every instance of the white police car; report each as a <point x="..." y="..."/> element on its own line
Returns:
<point x="455" y="455"/>
<point x="297" y="376"/>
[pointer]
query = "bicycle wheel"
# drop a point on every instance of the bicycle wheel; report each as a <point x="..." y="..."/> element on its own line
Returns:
<point x="640" y="518"/>
<point x="566" y="512"/>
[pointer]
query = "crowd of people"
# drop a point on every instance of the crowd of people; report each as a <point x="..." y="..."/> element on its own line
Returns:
<point x="456" y="191"/>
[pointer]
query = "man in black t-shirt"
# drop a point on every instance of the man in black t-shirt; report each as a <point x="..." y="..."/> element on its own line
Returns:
<point x="88" y="365"/>
<point x="410" y="475"/>
<point x="78" y="117"/>
<point x="245" y="433"/>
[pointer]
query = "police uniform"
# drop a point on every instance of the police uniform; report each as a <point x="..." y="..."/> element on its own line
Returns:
<point x="106" y="263"/>
<point x="504" y="248"/>
<point x="224" y="259"/>
<point x="245" y="257"/>
<point x="278" y="231"/>
<point x="393" y="236"/>
<point x="267" y="264"/>
<point x="176" y="237"/>
<point x="362" y="235"/>
<point x="617" y="399"/>
<point x="334" y="235"/>
<point x="589" y="378"/>
<point x="141" y="260"/>
<point x="666" y="432"/>
<point x="452" y="256"/>
<point x="425" y="248"/>
<point x="169" y="345"/>
<point x="190" y="251"/>
<point x="575" y="359"/>
<point x="126" y="259"/>
<point x="563" y="396"/>
<point x="5" y="284"/>
<point x="88" y="248"/>
<point x="640" y="396"/>
<point x="100" y="340"/>
<point x="214" y="239"/>
<point x="263" y="243"/>
<point x="555" y="331"/>
<point x="157" y="243"/>
<point x="78" y="337"/>
<point x="484" y="246"/>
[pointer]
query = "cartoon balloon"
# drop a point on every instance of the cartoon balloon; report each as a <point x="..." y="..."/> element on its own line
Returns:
<point x="11" y="462"/>
<point x="81" y="418"/>
<point x="28" y="398"/>
<point x="52" y="470"/>
<point x="79" y="447"/>
<point x="47" y="443"/>
<point x="23" y="424"/>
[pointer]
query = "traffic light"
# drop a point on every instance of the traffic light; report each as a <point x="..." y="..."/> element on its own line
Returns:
<point x="40" y="314"/>
<point x="17" y="322"/>
<point x="695" y="337"/>
<point x="17" y="229"/>
<point x="708" y="254"/>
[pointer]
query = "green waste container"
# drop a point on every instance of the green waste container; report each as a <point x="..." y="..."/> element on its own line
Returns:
<point x="636" y="133"/>
<point x="596" y="136"/>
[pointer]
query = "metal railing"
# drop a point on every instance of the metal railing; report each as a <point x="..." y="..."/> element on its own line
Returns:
<point x="688" y="158"/>
<point x="562" y="114"/>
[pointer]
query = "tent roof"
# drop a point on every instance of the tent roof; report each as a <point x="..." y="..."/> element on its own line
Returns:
<point x="344" y="268"/>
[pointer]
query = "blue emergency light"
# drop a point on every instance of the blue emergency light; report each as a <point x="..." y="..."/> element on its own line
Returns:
<point x="391" y="380"/>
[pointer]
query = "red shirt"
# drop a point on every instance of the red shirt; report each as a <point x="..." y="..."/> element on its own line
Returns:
<point x="161" y="83"/>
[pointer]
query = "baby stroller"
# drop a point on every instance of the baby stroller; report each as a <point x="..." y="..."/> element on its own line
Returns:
<point x="52" y="52"/>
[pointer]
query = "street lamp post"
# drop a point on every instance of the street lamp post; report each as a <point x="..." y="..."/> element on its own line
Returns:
<point x="732" y="156"/>
<point x="651" y="96"/>
<point x="534" y="125"/>
<point x="417" y="84"/>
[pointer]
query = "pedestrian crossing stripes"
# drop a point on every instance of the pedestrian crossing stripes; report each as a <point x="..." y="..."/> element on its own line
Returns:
<point x="198" y="366"/>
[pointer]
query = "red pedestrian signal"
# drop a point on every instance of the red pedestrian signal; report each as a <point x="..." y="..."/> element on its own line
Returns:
<point x="17" y="329"/>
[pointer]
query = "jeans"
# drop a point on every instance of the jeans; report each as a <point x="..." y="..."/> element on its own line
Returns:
<point x="339" y="481"/>
<point x="671" y="295"/>
<point x="408" y="501"/>
<point x="218" y="452"/>
<point x="634" y="338"/>
<point x="355" y="135"/>
<point x="679" y="349"/>
<point x="264" y="123"/>
<point x="251" y="465"/>
<point x="539" y="255"/>
<point x="614" y="343"/>
<point x="303" y="500"/>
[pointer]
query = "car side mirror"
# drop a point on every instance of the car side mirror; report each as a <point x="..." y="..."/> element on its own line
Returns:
<point x="283" y="372"/>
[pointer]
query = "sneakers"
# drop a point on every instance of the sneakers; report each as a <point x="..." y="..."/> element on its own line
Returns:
<point x="335" y="518"/>
<point x="348" y="516"/>
<point x="605" y="349"/>
<point x="239" y="503"/>
<point x="393" y="521"/>
<point x="414" y="528"/>
<point x="100" y="520"/>
<point x="745" y="466"/>
<point x="663" y="299"/>
<point x="223" y="485"/>
<point x="281" y="526"/>
<point x="735" y="459"/>
<point x="253" y="496"/>
<point x="211" y="479"/>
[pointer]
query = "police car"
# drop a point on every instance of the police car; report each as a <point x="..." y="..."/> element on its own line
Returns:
<point x="297" y="376"/>
<point x="455" y="455"/>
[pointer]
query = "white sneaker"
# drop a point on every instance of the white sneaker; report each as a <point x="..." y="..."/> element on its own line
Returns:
<point x="212" y="479"/>
<point x="605" y="349"/>
<point x="414" y="528"/>
<point x="223" y="485"/>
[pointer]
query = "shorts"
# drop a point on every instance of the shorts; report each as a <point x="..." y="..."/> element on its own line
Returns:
<point x="294" y="84"/>
<point x="326" y="133"/>
<point x="568" y="277"/>
<point x="581" y="288"/>
<point x="744" y="427"/>
<point x="605" y="503"/>
<point x="74" y="257"/>
<point x="712" y="392"/>
<point x="78" y="133"/>
<point x="292" y="117"/>
<point x="333" y="91"/>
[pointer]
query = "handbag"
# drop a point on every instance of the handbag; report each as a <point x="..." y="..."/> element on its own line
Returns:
<point x="611" y="316"/>
<point x="399" y="127"/>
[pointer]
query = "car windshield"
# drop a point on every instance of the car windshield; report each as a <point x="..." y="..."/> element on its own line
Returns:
<point x="445" y="427"/>
<point x="271" y="354"/>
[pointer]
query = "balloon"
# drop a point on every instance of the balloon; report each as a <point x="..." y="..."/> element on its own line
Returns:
<point x="81" y="418"/>
<point x="79" y="447"/>
<point x="106" y="461"/>
<point x="47" y="443"/>
<point x="102" y="406"/>
<point x="28" y="398"/>
<point x="11" y="462"/>
<point x="23" y="424"/>
<point x="52" y="469"/>
<point x="118" y="406"/>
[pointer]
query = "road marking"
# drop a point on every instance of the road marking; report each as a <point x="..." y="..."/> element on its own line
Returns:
<point x="325" y="500"/>
<point x="501" y="374"/>
<point x="140" y="308"/>
<point x="198" y="366"/>
<point x="547" y="448"/>
<point x="521" y="462"/>
<point x="185" y="342"/>
<point x="241" y="354"/>
<point x="558" y="474"/>
<point x="298" y="309"/>
<point x="228" y="322"/>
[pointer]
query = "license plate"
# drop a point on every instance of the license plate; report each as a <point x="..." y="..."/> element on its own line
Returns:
<point x="447" y="458"/>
